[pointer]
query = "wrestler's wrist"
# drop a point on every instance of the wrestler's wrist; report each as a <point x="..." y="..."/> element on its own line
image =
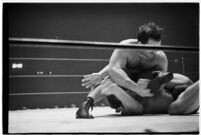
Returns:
<point x="102" y="75"/>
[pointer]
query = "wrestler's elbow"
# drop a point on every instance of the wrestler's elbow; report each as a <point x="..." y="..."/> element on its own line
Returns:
<point x="112" y="71"/>
<point x="189" y="81"/>
<point x="183" y="79"/>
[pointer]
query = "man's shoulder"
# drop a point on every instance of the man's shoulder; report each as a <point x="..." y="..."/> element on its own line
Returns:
<point x="129" y="41"/>
<point x="126" y="41"/>
<point x="126" y="51"/>
<point x="161" y="54"/>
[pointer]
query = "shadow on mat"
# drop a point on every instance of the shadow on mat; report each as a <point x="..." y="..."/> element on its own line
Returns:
<point x="108" y="116"/>
<point x="119" y="115"/>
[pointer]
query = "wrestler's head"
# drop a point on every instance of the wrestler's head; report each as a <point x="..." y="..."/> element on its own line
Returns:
<point x="149" y="34"/>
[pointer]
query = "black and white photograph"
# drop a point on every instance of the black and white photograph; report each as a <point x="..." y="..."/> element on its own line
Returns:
<point x="101" y="67"/>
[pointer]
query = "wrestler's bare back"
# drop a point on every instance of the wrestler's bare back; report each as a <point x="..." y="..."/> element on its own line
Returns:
<point x="138" y="60"/>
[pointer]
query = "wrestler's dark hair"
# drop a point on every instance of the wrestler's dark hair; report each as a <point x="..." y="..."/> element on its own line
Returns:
<point x="149" y="31"/>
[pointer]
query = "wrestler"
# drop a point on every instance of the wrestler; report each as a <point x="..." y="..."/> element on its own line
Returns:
<point x="117" y="81"/>
<point x="124" y="69"/>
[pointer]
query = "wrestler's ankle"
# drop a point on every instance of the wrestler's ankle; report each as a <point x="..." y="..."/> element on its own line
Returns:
<point x="87" y="103"/>
<point x="90" y="99"/>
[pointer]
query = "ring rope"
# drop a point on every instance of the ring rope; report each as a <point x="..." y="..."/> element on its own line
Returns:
<point x="65" y="43"/>
<point x="59" y="59"/>
<point x="46" y="93"/>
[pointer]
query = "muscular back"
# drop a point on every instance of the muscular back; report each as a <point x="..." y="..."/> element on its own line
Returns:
<point x="140" y="60"/>
<point x="137" y="61"/>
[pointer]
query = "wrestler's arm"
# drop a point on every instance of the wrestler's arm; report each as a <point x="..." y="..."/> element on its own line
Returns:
<point x="104" y="72"/>
<point x="94" y="79"/>
<point x="117" y="62"/>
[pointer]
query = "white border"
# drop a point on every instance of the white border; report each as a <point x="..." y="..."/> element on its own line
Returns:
<point x="81" y="1"/>
<point x="102" y="1"/>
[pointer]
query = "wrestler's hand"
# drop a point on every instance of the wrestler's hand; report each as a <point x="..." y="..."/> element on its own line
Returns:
<point x="144" y="92"/>
<point x="91" y="80"/>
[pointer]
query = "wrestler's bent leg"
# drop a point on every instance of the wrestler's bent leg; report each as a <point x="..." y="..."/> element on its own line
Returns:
<point x="187" y="102"/>
<point x="93" y="96"/>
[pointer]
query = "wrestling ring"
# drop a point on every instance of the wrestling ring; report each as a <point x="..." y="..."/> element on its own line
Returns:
<point x="45" y="88"/>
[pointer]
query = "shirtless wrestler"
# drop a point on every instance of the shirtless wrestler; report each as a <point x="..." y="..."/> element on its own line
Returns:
<point x="120" y="81"/>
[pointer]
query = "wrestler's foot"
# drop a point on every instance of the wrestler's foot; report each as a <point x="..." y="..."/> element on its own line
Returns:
<point x="83" y="111"/>
<point x="155" y="84"/>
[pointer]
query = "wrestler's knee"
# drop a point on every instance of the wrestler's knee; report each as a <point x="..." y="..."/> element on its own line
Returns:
<point x="109" y="89"/>
<point x="184" y="79"/>
<point x="106" y="82"/>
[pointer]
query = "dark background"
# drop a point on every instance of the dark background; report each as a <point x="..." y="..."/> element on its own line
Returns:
<point x="104" y="22"/>
<point x="91" y="22"/>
